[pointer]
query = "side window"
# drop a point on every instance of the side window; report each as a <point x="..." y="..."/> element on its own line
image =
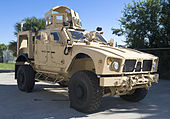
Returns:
<point x="55" y="35"/>
<point x="48" y="21"/>
<point x="59" y="19"/>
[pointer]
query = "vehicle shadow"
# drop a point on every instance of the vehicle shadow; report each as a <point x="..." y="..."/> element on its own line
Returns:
<point x="156" y="104"/>
<point x="51" y="102"/>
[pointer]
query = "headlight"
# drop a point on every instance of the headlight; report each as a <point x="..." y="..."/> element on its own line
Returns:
<point x="115" y="65"/>
<point x="154" y="66"/>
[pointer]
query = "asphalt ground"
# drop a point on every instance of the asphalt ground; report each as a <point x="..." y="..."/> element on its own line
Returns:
<point x="51" y="102"/>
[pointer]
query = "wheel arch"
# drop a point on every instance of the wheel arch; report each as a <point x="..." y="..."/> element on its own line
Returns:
<point x="20" y="61"/>
<point x="22" y="58"/>
<point x="78" y="59"/>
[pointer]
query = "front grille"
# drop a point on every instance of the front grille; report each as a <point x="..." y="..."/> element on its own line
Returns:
<point x="147" y="65"/>
<point x="138" y="67"/>
<point x="129" y="66"/>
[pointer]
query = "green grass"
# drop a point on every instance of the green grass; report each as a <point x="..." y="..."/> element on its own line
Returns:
<point x="7" y="66"/>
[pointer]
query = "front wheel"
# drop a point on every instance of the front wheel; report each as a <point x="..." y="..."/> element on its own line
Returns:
<point x="136" y="96"/>
<point x="85" y="94"/>
<point x="26" y="78"/>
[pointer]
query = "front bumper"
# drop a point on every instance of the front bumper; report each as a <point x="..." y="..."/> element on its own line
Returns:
<point x="131" y="80"/>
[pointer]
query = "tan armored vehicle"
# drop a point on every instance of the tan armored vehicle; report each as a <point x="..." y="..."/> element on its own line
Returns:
<point x="67" y="54"/>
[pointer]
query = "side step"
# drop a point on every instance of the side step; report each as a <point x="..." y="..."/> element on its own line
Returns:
<point x="44" y="78"/>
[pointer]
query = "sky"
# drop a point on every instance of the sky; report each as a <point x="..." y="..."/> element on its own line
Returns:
<point x="93" y="13"/>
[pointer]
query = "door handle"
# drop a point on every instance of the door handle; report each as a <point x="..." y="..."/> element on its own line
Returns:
<point x="45" y="51"/>
<point x="52" y="52"/>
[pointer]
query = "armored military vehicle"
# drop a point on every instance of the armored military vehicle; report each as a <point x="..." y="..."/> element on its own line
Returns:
<point x="91" y="67"/>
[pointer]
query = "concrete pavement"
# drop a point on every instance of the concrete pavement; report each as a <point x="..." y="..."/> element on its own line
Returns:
<point x="51" y="102"/>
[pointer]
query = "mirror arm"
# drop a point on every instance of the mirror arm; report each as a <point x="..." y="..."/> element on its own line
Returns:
<point x="68" y="47"/>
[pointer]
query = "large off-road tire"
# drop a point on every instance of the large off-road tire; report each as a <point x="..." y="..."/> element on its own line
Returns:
<point x="136" y="96"/>
<point x="85" y="94"/>
<point x="26" y="78"/>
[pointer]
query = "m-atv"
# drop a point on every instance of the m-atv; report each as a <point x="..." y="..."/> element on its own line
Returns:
<point x="92" y="68"/>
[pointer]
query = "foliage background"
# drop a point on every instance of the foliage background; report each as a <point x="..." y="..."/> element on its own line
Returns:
<point x="146" y="24"/>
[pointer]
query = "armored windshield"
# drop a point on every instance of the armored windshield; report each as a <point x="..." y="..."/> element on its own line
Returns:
<point x="100" y="38"/>
<point x="79" y="36"/>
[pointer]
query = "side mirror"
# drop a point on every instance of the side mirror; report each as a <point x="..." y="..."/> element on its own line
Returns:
<point x="111" y="42"/>
<point x="99" y="29"/>
<point x="68" y="47"/>
<point x="69" y="42"/>
<point x="65" y="23"/>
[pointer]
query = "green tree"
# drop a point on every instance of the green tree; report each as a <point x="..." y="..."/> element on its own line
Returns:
<point x="165" y="20"/>
<point x="30" y="24"/>
<point x="2" y="48"/>
<point x="13" y="47"/>
<point x="144" y="24"/>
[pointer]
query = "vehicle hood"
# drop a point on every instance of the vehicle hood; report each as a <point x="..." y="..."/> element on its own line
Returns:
<point x="124" y="53"/>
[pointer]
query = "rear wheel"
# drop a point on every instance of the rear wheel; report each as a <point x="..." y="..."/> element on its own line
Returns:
<point x="26" y="78"/>
<point x="136" y="96"/>
<point x="85" y="94"/>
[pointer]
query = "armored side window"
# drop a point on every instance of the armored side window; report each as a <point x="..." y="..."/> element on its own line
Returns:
<point x="48" y="21"/>
<point x="59" y="18"/>
<point x="55" y="35"/>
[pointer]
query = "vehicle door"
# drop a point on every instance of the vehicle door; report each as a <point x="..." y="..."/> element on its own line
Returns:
<point x="57" y="61"/>
<point x="41" y="49"/>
